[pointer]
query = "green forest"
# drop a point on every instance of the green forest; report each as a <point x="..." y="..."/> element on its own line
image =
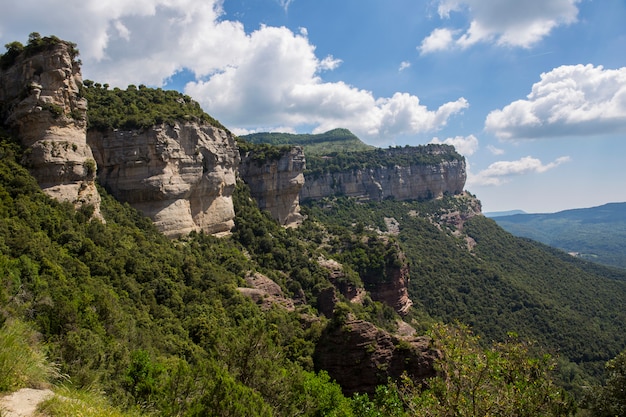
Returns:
<point x="126" y="322"/>
<point x="596" y="234"/>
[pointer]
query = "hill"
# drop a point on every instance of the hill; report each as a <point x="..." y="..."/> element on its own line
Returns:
<point x="336" y="140"/>
<point x="597" y="234"/>
<point x="473" y="271"/>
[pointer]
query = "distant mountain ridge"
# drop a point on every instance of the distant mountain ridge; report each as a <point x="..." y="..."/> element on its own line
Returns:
<point x="336" y="140"/>
<point x="596" y="233"/>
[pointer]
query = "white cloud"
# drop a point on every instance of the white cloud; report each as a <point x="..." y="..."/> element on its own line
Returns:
<point x="504" y="22"/>
<point x="270" y="77"/>
<point x="465" y="145"/>
<point x="494" y="150"/>
<point x="329" y="63"/>
<point x="439" y="39"/>
<point x="571" y="100"/>
<point x="404" y="65"/>
<point x="501" y="172"/>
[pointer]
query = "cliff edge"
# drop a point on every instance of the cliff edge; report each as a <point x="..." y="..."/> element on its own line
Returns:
<point x="41" y="102"/>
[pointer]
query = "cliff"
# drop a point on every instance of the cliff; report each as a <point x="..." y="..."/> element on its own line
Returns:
<point x="181" y="175"/>
<point x="175" y="163"/>
<point x="435" y="170"/>
<point x="41" y="102"/>
<point x="275" y="183"/>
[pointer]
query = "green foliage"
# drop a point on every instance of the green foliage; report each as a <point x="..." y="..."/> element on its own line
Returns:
<point x="261" y="153"/>
<point x="155" y="324"/>
<point x="609" y="400"/>
<point x="507" y="379"/>
<point x="332" y="162"/>
<point x="336" y="140"/>
<point x="503" y="284"/>
<point x="84" y="403"/>
<point x="36" y="44"/>
<point x="139" y="107"/>
<point x="23" y="362"/>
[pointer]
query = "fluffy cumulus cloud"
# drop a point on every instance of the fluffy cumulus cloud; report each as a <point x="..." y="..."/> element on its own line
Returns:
<point x="269" y="77"/>
<point x="502" y="171"/>
<point x="577" y="100"/>
<point x="465" y="145"/>
<point x="504" y="22"/>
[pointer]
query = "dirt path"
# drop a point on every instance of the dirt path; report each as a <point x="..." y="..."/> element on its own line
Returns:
<point x="23" y="403"/>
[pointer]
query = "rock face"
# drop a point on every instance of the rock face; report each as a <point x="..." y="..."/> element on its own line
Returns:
<point x="40" y="99"/>
<point x="393" y="289"/>
<point x="182" y="176"/>
<point x="413" y="181"/>
<point x="360" y="356"/>
<point x="276" y="183"/>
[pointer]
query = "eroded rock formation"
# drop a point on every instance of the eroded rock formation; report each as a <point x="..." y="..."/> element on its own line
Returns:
<point x="41" y="102"/>
<point x="360" y="356"/>
<point x="276" y="183"/>
<point x="393" y="287"/>
<point x="181" y="175"/>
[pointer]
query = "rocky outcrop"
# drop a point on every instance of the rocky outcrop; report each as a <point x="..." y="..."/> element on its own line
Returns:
<point x="275" y="183"/>
<point x="266" y="292"/>
<point x="393" y="287"/>
<point x="401" y="182"/>
<point x="181" y="175"/>
<point x="360" y="356"/>
<point x="41" y="102"/>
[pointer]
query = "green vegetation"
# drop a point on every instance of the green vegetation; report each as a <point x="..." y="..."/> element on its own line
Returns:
<point x="568" y="306"/>
<point x="139" y="107"/>
<point x="339" y="150"/>
<point x="35" y="45"/>
<point x="596" y="234"/>
<point x="160" y="327"/>
<point x="609" y="400"/>
<point x="336" y="140"/>
<point x="23" y="361"/>
<point x="153" y="323"/>
<point x="409" y="155"/>
<point x="261" y="153"/>
<point x="506" y="379"/>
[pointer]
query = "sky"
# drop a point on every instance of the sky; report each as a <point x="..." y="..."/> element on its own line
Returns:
<point x="532" y="93"/>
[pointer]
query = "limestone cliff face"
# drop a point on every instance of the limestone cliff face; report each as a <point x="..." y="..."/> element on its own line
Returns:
<point x="182" y="176"/>
<point x="414" y="181"/>
<point x="40" y="101"/>
<point x="276" y="183"/>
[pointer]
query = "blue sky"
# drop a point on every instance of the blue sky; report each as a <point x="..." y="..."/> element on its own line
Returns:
<point x="533" y="93"/>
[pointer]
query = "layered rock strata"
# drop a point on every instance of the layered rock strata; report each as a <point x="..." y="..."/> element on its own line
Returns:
<point x="276" y="183"/>
<point x="181" y="175"/>
<point x="401" y="182"/>
<point x="41" y="102"/>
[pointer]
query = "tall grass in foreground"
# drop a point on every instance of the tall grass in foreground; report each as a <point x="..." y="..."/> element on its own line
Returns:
<point x="23" y="362"/>
<point x="70" y="402"/>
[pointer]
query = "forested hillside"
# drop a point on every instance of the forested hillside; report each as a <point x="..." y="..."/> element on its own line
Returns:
<point x="597" y="234"/>
<point x="336" y="140"/>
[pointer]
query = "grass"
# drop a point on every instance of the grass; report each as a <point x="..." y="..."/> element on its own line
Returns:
<point x="70" y="402"/>
<point x="23" y="362"/>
